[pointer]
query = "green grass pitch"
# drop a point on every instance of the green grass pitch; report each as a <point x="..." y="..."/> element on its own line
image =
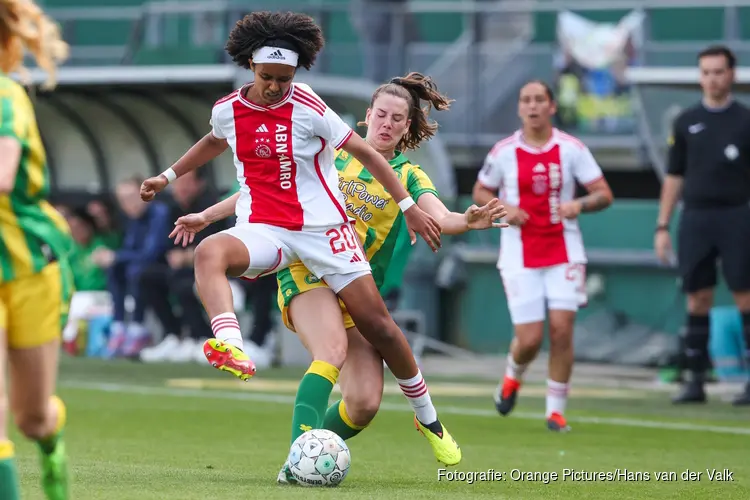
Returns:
<point x="189" y="432"/>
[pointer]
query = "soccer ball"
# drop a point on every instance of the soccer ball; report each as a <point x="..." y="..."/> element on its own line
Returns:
<point x="319" y="458"/>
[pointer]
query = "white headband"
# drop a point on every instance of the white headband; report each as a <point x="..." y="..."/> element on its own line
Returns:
<point x="275" y="55"/>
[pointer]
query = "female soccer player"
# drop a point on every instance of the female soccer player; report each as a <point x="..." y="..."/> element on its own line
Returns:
<point x="396" y="122"/>
<point x="35" y="240"/>
<point x="290" y="207"/>
<point x="542" y="263"/>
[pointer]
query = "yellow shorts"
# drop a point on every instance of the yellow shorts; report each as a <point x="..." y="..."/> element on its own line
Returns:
<point x="33" y="308"/>
<point x="297" y="279"/>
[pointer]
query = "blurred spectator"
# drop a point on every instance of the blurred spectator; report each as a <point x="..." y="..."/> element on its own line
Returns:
<point x="91" y="297"/>
<point x="145" y="242"/>
<point x="64" y="209"/>
<point x="165" y="285"/>
<point x="102" y="210"/>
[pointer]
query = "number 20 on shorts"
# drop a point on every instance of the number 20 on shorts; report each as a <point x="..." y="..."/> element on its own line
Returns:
<point x="342" y="239"/>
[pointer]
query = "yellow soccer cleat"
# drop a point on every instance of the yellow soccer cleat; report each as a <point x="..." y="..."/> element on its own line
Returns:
<point x="444" y="447"/>
<point x="228" y="358"/>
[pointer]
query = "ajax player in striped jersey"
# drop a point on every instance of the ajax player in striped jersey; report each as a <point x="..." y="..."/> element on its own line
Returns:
<point x="395" y="123"/>
<point x="290" y="207"/>
<point x="542" y="259"/>
<point x="35" y="241"/>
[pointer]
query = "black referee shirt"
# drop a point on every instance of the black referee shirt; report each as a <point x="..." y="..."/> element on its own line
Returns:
<point x="711" y="150"/>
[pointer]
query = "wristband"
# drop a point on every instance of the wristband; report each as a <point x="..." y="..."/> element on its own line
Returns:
<point x="170" y="174"/>
<point x="662" y="227"/>
<point x="406" y="203"/>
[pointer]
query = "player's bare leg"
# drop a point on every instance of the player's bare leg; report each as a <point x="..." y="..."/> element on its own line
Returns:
<point x="561" y="356"/>
<point x="361" y="383"/>
<point x="215" y="257"/>
<point x="317" y="320"/>
<point x="8" y="476"/>
<point x="524" y="348"/>
<point x="742" y="299"/>
<point x="367" y="309"/>
<point x="696" y="346"/>
<point x="38" y="413"/>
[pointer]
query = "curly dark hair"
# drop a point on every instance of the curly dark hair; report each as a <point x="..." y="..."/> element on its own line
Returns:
<point x="286" y="30"/>
<point x="415" y="88"/>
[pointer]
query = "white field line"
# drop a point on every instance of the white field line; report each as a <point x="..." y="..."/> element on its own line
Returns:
<point x="444" y="410"/>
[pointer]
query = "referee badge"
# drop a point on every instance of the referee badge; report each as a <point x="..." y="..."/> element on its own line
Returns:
<point x="731" y="152"/>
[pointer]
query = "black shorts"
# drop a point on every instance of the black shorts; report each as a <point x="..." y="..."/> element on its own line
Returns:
<point x="708" y="236"/>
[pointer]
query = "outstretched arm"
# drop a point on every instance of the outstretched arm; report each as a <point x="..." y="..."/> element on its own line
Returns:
<point x="455" y="223"/>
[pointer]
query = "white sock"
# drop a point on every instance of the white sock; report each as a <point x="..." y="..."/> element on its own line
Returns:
<point x="557" y="397"/>
<point x="227" y="329"/>
<point x="514" y="370"/>
<point x="416" y="392"/>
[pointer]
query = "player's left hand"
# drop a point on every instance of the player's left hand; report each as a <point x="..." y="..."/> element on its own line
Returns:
<point x="570" y="209"/>
<point x="484" y="217"/>
<point x="187" y="227"/>
<point x="420" y="222"/>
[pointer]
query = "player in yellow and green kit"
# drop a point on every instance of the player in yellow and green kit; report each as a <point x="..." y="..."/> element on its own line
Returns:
<point x="35" y="282"/>
<point x="396" y="123"/>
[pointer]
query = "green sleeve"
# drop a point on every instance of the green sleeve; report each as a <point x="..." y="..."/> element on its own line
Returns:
<point x="418" y="183"/>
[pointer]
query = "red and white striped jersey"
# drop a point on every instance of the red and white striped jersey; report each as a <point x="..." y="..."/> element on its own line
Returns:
<point x="284" y="157"/>
<point x="539" y="180"/>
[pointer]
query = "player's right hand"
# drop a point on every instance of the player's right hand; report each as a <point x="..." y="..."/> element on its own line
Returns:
<point x="187" y="227"/>
<point x="151" y="186"/>
<point x="420" y="222"/>
<point x="663" y="246"/>
<point x="516" y="216"/>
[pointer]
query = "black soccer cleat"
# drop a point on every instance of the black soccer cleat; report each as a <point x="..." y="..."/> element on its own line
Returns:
<point x="691" y="392"/>
<point x="505" y="396"/>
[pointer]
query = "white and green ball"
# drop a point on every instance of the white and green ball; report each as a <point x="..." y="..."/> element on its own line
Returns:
<point x="319" y="458"/>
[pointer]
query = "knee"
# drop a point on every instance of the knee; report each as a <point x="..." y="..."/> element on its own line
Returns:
<point x="33" y="423"/>
<point x="378" y="327"/>
<point x="333" y="353"/>
<point x="209" y="255"/>
<point x="362" y="407"/>
<point x="700" y="302"/>
<point x="529" y="340"/>
<point x="560" y="336"/>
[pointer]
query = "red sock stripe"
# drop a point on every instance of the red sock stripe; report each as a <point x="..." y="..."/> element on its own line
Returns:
<point x="223" y="325"/>
<point x="414" y="391"/>
<point x="404" y="386"/>
<point x="557" y="392"/>
<point x="224" y="318"/>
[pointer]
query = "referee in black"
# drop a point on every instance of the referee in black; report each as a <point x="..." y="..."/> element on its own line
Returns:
<point x="709" y="164"/>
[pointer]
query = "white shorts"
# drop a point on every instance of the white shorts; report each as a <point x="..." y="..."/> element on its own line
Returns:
<point x="531" y="291"/>
<point x="333" y="254"/>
